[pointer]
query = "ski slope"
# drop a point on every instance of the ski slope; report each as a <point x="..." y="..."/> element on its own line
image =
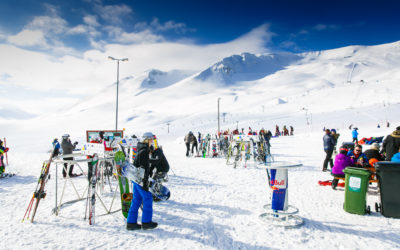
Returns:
<point x="213" y="206"/>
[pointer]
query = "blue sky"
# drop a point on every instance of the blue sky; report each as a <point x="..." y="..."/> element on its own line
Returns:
<point x="294" y="25"/>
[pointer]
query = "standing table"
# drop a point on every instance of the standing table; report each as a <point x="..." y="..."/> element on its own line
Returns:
<point x="279" y="212"/>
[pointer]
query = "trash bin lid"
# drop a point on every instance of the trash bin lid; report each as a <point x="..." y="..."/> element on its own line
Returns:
<point x="356" y="171"/>
<point x="387" y="166"/>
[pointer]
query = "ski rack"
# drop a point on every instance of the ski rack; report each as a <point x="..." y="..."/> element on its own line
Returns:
<point x="59" y="160"/>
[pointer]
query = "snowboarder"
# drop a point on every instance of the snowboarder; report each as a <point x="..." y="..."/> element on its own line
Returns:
<point x="67" y="148"/>
<point x="141" y="192"/>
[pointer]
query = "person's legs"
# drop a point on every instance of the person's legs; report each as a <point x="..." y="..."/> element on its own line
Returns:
<point x="327" y="159"/>
<point x="147" y="205"/>
<point x="136" y="202"/>
<point x="187" y="149"/>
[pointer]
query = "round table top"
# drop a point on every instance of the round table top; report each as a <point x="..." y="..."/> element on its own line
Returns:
<point x="282" y="165"/>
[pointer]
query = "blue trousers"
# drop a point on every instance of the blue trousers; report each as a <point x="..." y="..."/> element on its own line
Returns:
<point x="140" y="196"/>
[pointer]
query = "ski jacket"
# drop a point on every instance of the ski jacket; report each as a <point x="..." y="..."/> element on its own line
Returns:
<point x="391" y="144"/>
<point x="142" y="161"/>
<point x="187" y="139"/>
<point x="329" y="142"/>
<point x="335" y="138"/>
<point x="396" y="158"/>
<point x="158" y="161"/>
<point x="358" y="158"/>
<point x="373" y="153"/>
<point x="67" y="146"/>
<point x="354" y="133"/>
<point x="341" y="162"/>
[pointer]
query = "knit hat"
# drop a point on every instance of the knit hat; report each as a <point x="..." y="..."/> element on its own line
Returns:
<point x="375" y="146"/>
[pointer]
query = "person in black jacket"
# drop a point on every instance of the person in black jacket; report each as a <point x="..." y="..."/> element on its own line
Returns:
<point x="391" y="144"/>
<point x="329" y="144"/>
<point x="158" y="162"/>
<point x="141" y="192"/>
<point x="67" y="148"/>
<point x="373" y="152"/>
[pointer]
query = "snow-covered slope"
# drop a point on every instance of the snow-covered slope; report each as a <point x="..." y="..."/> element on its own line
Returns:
<point x="214" y="206"/>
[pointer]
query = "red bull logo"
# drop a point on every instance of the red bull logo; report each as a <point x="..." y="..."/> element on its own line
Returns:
<point x="277" y="183"/>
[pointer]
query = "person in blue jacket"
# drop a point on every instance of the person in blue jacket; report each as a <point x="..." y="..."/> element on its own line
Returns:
<point x="396" y="157"/>
<point x="360" y="159"/>
<point x="354" y="133"/>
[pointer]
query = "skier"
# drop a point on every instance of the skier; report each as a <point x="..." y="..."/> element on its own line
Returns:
<point x="188" y="139"/>
<point x="291" y="130"/>
<point x="194" y="144"/>
<point x="277" y="133"/>
<point x="354" y="133"/>
<point x="391" y="144"/>
<point x="3" y="150"/>
<point x="56" y="146"/>
<point x="141" y="192"/>
<point x="67" y="148"/>
<point x="329" y="143"/>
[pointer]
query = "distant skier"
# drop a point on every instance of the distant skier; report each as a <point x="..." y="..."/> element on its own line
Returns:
<point x="3" y="151"/>
<point x="277" y="132"/>
<point x="291" y="130"/>
<point x="188" y="139"/>
<point x="354" y="133"/>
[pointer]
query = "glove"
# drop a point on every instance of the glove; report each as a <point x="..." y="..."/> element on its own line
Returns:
<point x="76" y="143"/>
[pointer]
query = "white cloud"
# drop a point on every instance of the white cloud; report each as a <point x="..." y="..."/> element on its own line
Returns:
<point x="91" y="20"/>
<point x="156" y="26"/>
<point x="114" y="14"/>
<point x="28" y="38"/>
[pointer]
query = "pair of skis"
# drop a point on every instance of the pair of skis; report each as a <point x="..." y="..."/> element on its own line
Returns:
<point x="39" y="191"/>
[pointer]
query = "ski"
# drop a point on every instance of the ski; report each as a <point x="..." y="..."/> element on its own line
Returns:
<point x="39" y="191"/>
<point x="92" y="193"/>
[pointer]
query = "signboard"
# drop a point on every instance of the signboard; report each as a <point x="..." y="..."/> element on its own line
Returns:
<point x="109" y="135"/>
<point x="93" y="148"/>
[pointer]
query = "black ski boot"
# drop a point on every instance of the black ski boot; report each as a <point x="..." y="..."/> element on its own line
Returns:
<point x="150" y="225"/>
<point x="133" y="226"/>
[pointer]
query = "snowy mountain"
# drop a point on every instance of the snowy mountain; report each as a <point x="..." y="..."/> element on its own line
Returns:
<point x="259" y="90"/>
<point x="247" y="67"/>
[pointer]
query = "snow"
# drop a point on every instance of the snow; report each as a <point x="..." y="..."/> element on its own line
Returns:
<point x="214" y="206"/>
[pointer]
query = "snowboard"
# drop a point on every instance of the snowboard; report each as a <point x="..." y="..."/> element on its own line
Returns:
<point x="123" y="182"/>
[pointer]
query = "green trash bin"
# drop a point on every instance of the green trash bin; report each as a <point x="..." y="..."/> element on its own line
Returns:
<point x="356" y="187"/>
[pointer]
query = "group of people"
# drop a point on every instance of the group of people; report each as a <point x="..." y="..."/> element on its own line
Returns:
<point x="349" y="156"/>
<point x="285" y="131"/>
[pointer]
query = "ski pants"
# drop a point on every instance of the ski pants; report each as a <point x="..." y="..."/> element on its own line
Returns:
<point x="64" y="171"/>
<point x="336" y="181"/>
<point x="194" y="145"/>
<point x="140" y="196"/>
<point x="328" y="158"/>
<point x="355" y="139"/>
<point x="187" y="149"/>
